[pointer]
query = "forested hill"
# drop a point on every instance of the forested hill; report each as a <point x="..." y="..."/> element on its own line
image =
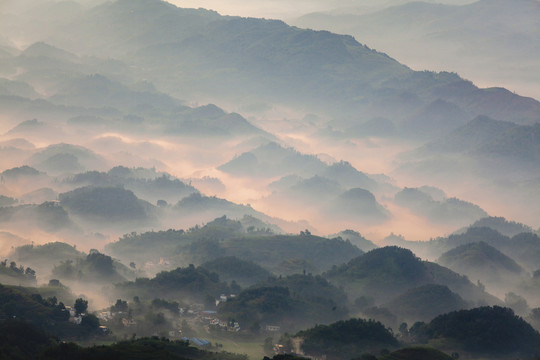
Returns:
<point x="194" y="53"/>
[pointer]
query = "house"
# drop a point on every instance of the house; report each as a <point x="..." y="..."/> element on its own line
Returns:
<point x="272" y="328"/>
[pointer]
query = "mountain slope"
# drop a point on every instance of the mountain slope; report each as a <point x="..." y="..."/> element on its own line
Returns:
<point x="256" y="59"/>
<point x="387" y="272"/>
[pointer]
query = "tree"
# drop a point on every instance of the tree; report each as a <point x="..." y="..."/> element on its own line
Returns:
<point x="90" y="322"/>
<point x="120" y="305"/>
<point x="80" y="306"/>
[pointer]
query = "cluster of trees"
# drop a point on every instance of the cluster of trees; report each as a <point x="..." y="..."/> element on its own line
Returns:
<point x="191" y="282"/>
<point x="292" y="302"/>
<point x="17" y="272"/>
<point x="95" y="267"/>
<point x="26" y="305"/>
<point x="485" y="330"/>
<point x="347" y="339"/>
<point x="20" y="340"/>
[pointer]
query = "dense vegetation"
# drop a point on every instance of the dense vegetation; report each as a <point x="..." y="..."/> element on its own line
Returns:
<point x="105" y="203"/>
<point x="485" y="330"/>
<point x="20" y="341"/>
<point x="224" y="237"/>
<point x="387" y="272"/>
<point x="347" y="339"/>
<point x="44" y="257"/>
<point x="46" y="314"/>
<point x="291" y="302"/>
<point x="14" y="274"/>
<point x="451" y="210"/>
<point x="500" y="224"/>
<point x="244" y="272"/>
<point x="416" y="353"/>
<point x="190" y="282"/>
<point x="146" y="185"/>
<point x="96" y="267"/>
<point x="425" y="302"/>
<point x="482" y="262"/>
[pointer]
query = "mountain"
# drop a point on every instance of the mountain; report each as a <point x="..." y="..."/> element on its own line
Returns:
<point x="230" y="268"/>
<point x="244" y="58"/>
<point x="348" y="177"/>
<point x="48" y="216"/>
<point x="106" y="204"/>
<point x="425" y="302"/>
<point x="460" y="37"/>
<point x="389" y="271"/>
<point x="189" y="282"/>
<point x="66" y="158"/>
<point x="346" y="339"/>
<point x="273" y="160"/>
<point x="44" y="257"/>
<point x="223" y="238"/>
<point x="448" y="210"/>
<point x="475" y="134"/>
<point x="484" y="137"/>
<point x="480" y="261"/>
<point x="147" y="184"/>
<point x="272" y="251"/>
<point x="357" y="239"/>
<point x="503" y="226"/>
<point x="291" y="302"/>
<point x="92" y="93"/>
<point x="360" y="205"/>
<point x="434" y="119"/>
<point x="482" y="332"/>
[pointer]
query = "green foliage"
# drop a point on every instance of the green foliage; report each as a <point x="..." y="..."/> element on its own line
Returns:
<point x="346" y="339"/>
<point x="386" y="272"/>
<point x="417" y="353"/>
<point x="291" y="302"/>
<point x="96" y="267"/>
<point x="269" y="251"/>
<point x="426" y="302"/>
<point x="80" y="306"/>
<point x="357" y="239"/>
<point x="26" y="305"/>
<point x="382" y="271"/>
<point x="225" y="238"/>
<point x="192" y="282"/>
<point x="242" y="271"/>
<point x="523" y="248"/>
<point x="105" y="203"/>
<point x="20" y="340"/>
<point x="503" y="226"/>
<point x="143" y="348"/>
<point x="16" y="274"/>
<point x="285" y="357"/>
<point x="480" y="256"/>
<point x="44" y="256"/>
<point x="486" y="330"/>
<point x="120" y="305"/>
<point x="158" y="186"/>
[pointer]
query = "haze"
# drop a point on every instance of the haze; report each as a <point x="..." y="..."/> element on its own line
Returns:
<point x="276" y="164"/>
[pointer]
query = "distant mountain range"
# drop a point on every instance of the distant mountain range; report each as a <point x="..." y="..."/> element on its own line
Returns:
<point x="200" y="54"/>
<point x="489" y="41"/>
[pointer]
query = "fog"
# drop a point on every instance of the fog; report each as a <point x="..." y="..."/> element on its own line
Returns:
<point x="138" y="138"/>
